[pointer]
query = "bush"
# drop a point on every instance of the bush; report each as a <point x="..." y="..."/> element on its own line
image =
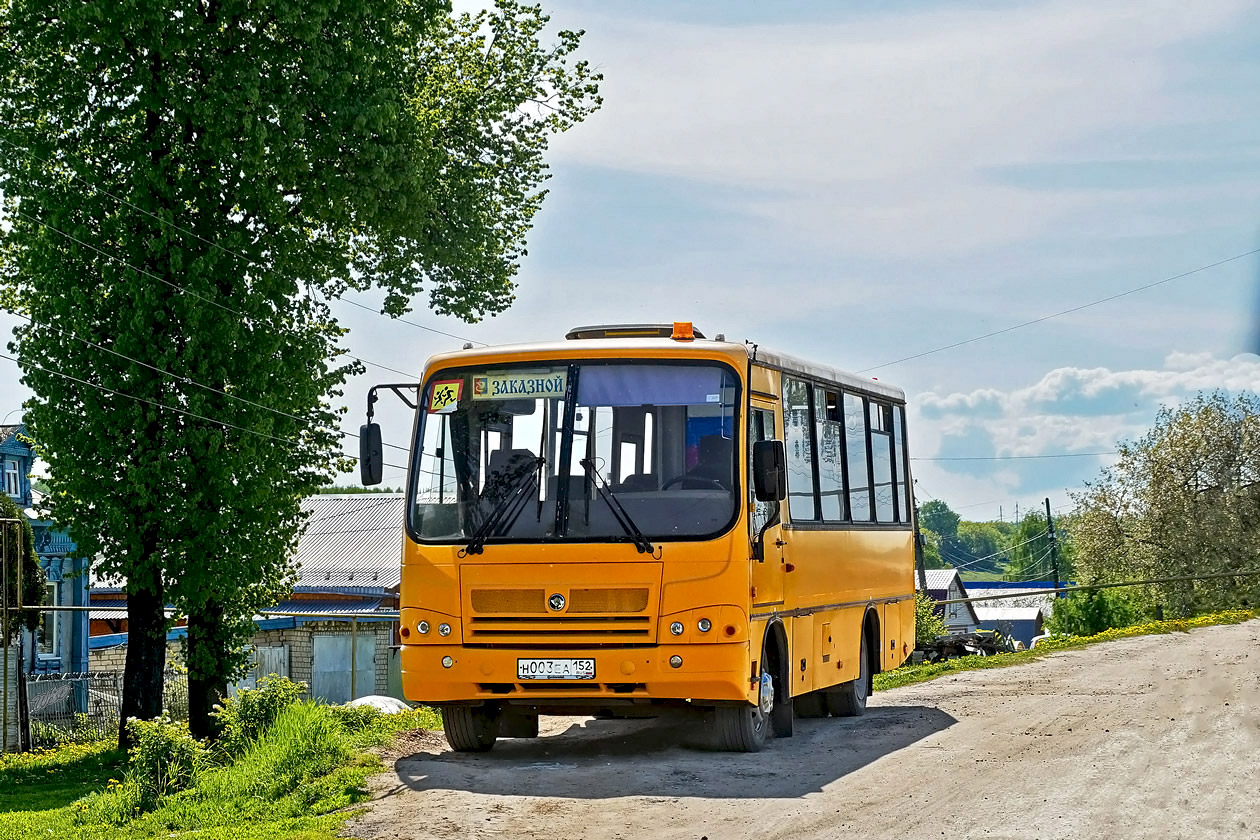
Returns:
<point x="165" y="759"/>
<point x="927" y="624"/>
<point x="356" y="718"/>
<point x="1090" y="612"/>
<point x="244" y="718"/>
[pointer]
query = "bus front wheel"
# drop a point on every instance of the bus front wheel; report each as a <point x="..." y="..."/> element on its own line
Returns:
<point x="471" y="728"/>
<point x="747" y="728"/>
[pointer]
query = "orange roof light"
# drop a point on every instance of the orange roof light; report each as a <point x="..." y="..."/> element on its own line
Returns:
<point x="684" y="331"/>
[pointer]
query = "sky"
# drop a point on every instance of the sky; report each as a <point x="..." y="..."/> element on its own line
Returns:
<point x="863" y="182"/>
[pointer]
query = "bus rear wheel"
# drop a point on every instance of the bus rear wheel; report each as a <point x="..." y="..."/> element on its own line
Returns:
<point x="747" y="728"/>
<point x="471" y="728"/>
<point x="849" y="699"/>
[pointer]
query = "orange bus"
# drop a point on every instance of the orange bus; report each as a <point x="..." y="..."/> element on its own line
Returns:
<point x="638" y="518"/>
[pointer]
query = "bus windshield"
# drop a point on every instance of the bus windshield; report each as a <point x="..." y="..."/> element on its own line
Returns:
<point x="551" y="451"/>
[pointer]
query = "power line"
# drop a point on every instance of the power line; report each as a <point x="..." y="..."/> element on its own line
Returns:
<point x="1019" y="457"/>
<point x="192" y="414"/>
<point x="976" y="560"/>
<point x="247" y="260"/>
<point x="1108" y="299"/>
<point x="411" y="323"/>
<point x="1088" y="586"/>
<point x="250" y="319"/>
<point x="188" y="380"/>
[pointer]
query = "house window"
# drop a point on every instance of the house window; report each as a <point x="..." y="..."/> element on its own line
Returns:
<point x="46" y="633"/>
<point x="12" y="480"/>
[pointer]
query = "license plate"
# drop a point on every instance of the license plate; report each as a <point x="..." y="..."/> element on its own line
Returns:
<point x="555" y="669"/>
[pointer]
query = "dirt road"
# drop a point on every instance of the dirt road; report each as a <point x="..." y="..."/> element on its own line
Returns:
<point x="1156" y="736"/>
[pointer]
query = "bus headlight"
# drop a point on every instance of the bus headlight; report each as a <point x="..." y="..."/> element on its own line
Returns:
<point x="447" y="662"/>
<point x="676" y="628"/>
<point x="423" y="628"/>
<point x="444" y="629"/>
<point x="704" y="625"/>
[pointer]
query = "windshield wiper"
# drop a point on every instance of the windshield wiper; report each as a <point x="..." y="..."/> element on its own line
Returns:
<point x="515" y="492"/>
<point x="641" y="542"/>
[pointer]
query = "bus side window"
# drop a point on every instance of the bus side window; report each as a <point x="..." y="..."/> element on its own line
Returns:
<point x="899" y="460"/>
<point x="858" y="468"/>
<point x="882" y="461"/>
<point x="830" y="438"/>
<point x="798" y="434"/>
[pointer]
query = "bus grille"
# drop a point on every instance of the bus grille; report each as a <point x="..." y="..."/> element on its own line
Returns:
<point x="591" y="615"/>
<point x="509" y="600"/>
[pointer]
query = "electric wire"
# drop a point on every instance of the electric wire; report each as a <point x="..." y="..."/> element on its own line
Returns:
<point x="1019" y="457"/>
<point x="1107" y="299"/>
<point x="976" y="560"/>
<point x="169" y="223"/>
<point x="248" y="318"/>
<point x="186" y="379"/>
<point x="181" y="411"/>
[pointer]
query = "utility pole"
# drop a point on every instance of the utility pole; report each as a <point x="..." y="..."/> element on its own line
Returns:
<point x="1054" y="545"/>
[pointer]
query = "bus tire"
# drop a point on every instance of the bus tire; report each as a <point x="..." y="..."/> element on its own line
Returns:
<point x="849" y="699"/>
<point x="470" y="728"/>
<point x="747" y="728"/>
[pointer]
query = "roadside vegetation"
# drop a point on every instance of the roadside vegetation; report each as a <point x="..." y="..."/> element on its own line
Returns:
<point x="282" y="768"/>
<point x="911" y="674"/>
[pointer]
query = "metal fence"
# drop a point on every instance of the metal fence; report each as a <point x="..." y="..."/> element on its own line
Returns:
<point x="68" y="708"/>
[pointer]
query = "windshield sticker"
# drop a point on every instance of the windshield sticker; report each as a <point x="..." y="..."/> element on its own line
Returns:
<point x="501" y="386"/>
<point x="713" y="398"/>
<point x="445" y="397"/>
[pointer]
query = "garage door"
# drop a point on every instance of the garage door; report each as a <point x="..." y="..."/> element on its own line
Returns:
<point x="330" y="667"/>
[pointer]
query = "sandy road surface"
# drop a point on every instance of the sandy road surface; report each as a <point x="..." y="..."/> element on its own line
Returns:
<point x="1156" y="736"/>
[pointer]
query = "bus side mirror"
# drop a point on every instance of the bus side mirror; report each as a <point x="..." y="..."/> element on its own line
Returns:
<point x="769" y="471"/>
<point x="371" y="462"/>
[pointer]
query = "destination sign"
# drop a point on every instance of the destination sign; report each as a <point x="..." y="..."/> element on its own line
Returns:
<point x="527" y="384"/>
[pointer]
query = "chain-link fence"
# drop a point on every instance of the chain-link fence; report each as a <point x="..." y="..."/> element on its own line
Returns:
<point x="70" y="708"/>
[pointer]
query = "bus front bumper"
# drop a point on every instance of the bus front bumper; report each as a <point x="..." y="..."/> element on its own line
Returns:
<point x="716" y="672"/>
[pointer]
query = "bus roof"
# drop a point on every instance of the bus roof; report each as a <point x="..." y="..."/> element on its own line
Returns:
<point x="577" y="348"/>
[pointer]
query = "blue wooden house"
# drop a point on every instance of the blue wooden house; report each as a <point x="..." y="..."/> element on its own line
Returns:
<point x="60" y="645"/>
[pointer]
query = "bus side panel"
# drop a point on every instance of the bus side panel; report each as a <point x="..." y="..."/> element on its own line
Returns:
<point x="804" y="645"/>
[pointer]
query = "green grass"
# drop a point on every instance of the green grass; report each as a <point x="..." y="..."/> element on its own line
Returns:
<point x="294" y="783"/>
<point x="912" y="674"/>
<point x="977" y="577"/>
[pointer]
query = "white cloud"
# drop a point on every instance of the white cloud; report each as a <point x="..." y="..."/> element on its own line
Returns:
<point x="876" y="133"/>
<point x="1069" y="410"/>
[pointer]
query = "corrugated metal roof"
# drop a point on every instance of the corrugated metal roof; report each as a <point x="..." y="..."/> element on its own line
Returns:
<point x="352" y="540"/>
<point x="939" y="578"/>
<point x="357" y="606"/>
<point x="1008" y="613"/>
<point x="1014" y="597"/>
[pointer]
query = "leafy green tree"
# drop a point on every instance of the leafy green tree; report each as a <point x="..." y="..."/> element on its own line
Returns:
<point x="185" y="184"/>
<point x="1087" y="612"/>
<point x="979" y="546"/>
<point x="1183" y="500"/>
<point x="937" y="517"/>
<point x="932" y="550"/>
<point x="1028" y="549"/>
<point x="17" y="540"/>
<point x="927" y="624"/>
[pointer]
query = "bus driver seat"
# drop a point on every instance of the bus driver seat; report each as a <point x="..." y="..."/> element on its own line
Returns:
<point x="713" y="465"/>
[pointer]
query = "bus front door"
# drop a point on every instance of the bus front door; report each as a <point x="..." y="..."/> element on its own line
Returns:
<point x="765" y="529"/>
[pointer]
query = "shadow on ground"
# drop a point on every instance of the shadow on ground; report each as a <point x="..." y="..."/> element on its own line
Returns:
<point x="594" y="759"/>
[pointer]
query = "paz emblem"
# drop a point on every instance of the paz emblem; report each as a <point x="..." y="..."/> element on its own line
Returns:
<point x="556" y="602"/>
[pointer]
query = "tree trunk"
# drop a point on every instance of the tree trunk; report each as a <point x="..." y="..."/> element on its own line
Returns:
<point x="146" y="654"/>
<point x="207" y="676"/>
